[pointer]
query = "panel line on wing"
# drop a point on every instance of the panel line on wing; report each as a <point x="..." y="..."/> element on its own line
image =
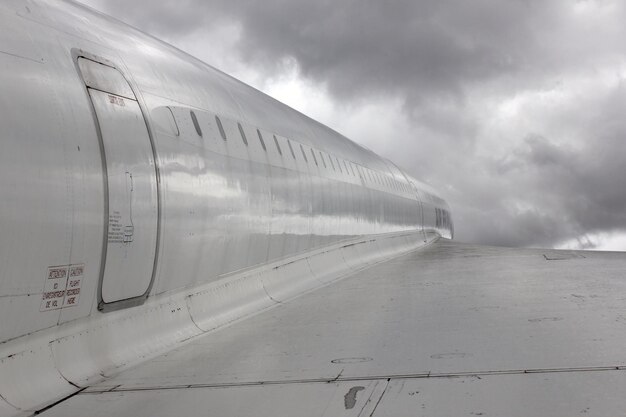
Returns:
<point x="121" y="388"/>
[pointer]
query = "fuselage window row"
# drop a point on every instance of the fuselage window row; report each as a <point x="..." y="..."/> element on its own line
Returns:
<point x="366" y="175"/>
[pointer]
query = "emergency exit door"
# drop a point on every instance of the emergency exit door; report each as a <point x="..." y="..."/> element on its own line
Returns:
<point x="131" y="197"/>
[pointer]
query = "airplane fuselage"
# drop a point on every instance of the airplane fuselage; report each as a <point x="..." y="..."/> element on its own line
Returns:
<point x="131" y="171"/>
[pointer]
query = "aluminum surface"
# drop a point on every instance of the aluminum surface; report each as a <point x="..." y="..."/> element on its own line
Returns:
<point x="131" y="197"/>
<point x="225" y="206"/>
<point x="181" y="196"/>
<point x="597" y="395"/>
<point x="455" y="329"/>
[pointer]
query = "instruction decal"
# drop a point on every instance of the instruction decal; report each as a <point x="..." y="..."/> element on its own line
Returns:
<point x="119" y="101"/>
<point x="62" y="287"/>
<point x="121" y="228"/>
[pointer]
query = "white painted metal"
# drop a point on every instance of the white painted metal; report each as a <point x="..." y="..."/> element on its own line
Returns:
<point x="131" y="197"/>
<point x="297" y="400"/>
<point x="85" y="352"/>
<point x="599" y="395"/>
<point x="556" y="394"/>
<point x="247" y="228"/>
<point x="79" y="88"/>
<point x="104" y="78"/>
<point x="456" y="329"/>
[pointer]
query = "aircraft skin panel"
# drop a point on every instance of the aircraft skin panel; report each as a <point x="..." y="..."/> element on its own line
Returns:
<point x="598" y="394"/>
<point x="248" y="206"/>
<point x="452" y="329"/>
<point x="224" y="206"/>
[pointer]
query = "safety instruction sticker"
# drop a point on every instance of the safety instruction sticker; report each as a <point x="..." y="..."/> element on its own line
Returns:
<point x="62" y="288"/>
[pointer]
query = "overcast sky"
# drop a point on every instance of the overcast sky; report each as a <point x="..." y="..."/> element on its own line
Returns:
<point x="514" y="110"/>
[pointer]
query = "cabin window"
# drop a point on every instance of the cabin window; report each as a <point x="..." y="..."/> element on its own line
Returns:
<point x="243" y="134"/>
<point x="330" y="158"/>
<point x="165" y="122"/>
<point x="304" y="154"/>
<point x="346" y="167"/>
<point x="293" y="154"/>
<point x="339" y="165"/>
<point x="314" y="158"/>
<point x="258" y="132"/>
<point x="280" y="152"/>
<point x="220" y="127"/>
<point x="323" y="160"/>
<point x="194" y="119"/>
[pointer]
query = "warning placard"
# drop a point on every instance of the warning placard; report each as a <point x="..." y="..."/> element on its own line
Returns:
<point x="62" y="287"/>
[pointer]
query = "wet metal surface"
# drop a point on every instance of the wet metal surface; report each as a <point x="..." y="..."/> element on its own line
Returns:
<point x="453" y="329"/>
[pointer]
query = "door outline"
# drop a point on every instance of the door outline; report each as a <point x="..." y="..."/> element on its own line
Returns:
<point x="137" y="300"/>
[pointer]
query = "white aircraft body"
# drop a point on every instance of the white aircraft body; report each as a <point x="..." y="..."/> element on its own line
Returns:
<point x="175" y="242"/>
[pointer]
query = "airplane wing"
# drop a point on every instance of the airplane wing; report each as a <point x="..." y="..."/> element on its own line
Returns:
<point x="449" y="330"/>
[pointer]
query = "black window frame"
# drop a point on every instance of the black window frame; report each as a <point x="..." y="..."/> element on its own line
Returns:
<point x="196" y="124"/>
<point x="243" y="134"/>
<point x="280" y="152"/>
<point x="258" y="132"/>
<point x="304" y="154"/>
<point x="220" y="127"/>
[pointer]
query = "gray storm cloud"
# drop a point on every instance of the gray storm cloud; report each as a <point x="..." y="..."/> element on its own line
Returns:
<point x="514" y="109"/>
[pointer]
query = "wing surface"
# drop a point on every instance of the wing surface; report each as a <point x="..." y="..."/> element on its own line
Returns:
<point x="452" y="329"/>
